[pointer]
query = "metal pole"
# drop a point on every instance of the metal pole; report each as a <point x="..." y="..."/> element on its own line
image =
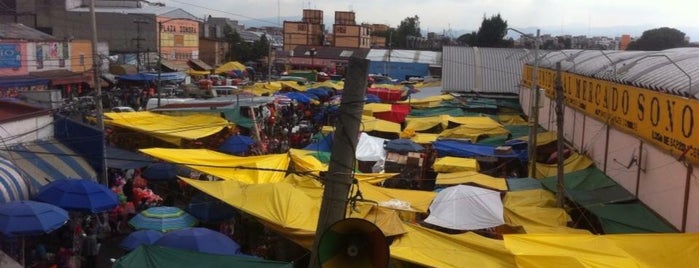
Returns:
<point x="98" y="88"/>
<point x="534" y="114"/>
<point x="269" y="61"/>
<point x="160" y="58"/>
<point x="560" y="184"/>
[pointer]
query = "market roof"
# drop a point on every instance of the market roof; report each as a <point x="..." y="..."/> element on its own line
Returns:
<point x="674" y="71"/>
<point x="18" y="31"/>
<point x="433" y="58"/>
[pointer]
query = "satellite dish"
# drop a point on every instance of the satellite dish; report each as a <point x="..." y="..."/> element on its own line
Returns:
<point x="353" y="242"/>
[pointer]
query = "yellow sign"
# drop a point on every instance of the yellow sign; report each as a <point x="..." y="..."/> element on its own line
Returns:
<point x="665" y="120"/>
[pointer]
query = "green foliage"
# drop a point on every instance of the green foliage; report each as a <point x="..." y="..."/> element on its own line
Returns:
<point x="410" y="26"/>
<point x="491" y="34"/>
<point x="243" y="51"/>
<point x="659" y="39"/>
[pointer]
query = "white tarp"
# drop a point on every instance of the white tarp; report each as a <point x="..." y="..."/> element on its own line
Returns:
<point x="464" y="207"/>
<point x="370" y="148"/>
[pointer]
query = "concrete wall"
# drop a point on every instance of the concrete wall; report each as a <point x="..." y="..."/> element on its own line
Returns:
<point x="658" y="179"/>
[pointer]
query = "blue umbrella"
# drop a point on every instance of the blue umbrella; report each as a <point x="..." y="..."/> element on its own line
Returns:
<point x="20" y="218"/>
<point x="403" y="146"/>
<point x="160" y="172"/>
<point x="299" y="97"/>
<point x="236" y="144"/>
<point x="78" y="195"/>
<point x="138" y="238"/>
<point x="162" y="219"/>
<point x="207" y="208"/>
<point x="200" y="240"/>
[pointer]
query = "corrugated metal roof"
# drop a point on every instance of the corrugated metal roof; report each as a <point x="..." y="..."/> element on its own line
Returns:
<point x="484" y="70"/>
<point x="674" y="71"/>
<point x="433" y="58"/>
<point x="164" y="11"/>
<point x="18" y="31"/>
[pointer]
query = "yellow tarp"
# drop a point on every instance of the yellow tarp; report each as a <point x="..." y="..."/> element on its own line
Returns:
<point x="292" y="207"/>
<point x="373" y="177"/>
<point x="259" y="89"/>
<point x="431" y="248"/>
<point x="195" y="72"/>
<point x="511" y="119"/>
<point x="338" y="85"/>
<point x="573" y="163"/>
<point x="472" y="177"/>
<point x="229" y="66"/>
<point x="172" y="129"/>
<point x="371" y="108"/>
<point x="593" y="251"/>
<point x="419" y="200"/>
<point x="455" y="164"/>
<point x="370" y="123"/>
<point x="424" y="138"/>
<point x="533" y="208"/>
<point x="249" y="170"/>
<point x="294" y="85"/>
<point x="474" y="131"/>
<point x="304" y="161"/>
<point x="542" y="138"/>
<point x="419" y="124"/>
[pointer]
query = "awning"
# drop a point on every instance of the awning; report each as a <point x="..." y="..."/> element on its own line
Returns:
<point x="173" y="66"/>
<point x="48" y="160"/>
<point x="62" y="77"/>
<point x="123" y="159"/>
<point x="22" y="81"/>
<point x="199" y="65"/>
<point x="12" y="186"/>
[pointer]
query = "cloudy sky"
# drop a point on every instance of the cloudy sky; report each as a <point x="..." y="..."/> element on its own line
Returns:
<point x="576" y="17"/>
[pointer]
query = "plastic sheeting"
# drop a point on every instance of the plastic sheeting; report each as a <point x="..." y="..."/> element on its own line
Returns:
<point x="172" y="129"/>
<point x="592" y="251"/>
<point x="370" y="123"/>
<point x="248" y="170"/>
<point x="431" y="248"/>
<point x="464" y="207"/>
<point x="573" y="163"/>
<point x="465" y="149"/>
<point x="535" y="208"/>
<point x="370" y="148"/>
<point x="455" y="164"/>
<point x="472" y="177"/>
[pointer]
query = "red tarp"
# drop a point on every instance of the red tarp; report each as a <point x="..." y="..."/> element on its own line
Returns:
<point x="386" y="94"/>
<point x="397" y="114"/>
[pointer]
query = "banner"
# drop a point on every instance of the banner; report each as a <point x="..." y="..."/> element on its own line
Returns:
<point x="10" y="56"/>
<point x="667" y="121"/>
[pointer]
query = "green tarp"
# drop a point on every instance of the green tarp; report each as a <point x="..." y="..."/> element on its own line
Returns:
<point x="234" y="116"/>
<point x="157" y="257"/>
<point x="427" y="112"/>
<point x="521" y="184"/>
<point x="590" y="186"/>
<point x="617" y="210"/>
<point x="629" y="218"/>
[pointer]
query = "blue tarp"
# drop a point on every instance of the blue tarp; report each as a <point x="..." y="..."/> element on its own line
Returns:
<point x="466" y="149"/>
<point x="323" y="144"/>
<point x="236" y="144"/>
<point x="140" y="77"/>
<point x="169" y="76"/>
<point x="22" y="81"/>
<point x="299" y="97"/>
<point x="371" y="98"/>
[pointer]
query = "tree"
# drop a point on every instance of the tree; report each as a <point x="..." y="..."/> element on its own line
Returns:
<point x="492" y="32"/>
<point x="409" y="27"/>
<point x="467" y="39"/>
<point x="659" y="39"/>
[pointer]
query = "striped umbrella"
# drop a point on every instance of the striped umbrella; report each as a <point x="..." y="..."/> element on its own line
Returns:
<point x="162" y="219"/>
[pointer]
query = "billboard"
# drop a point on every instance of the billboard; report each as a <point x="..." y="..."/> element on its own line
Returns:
<point x="665" y="120"/>
<point x="10" y="56"/>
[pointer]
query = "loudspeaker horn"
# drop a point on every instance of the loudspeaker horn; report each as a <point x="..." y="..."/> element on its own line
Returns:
<point x="353" y="242"/>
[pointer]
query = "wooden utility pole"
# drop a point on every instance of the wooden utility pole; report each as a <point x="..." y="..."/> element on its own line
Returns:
<point x="96" y="64"/>
<point x="560" y="185"/>
<point x="338" y="179"/>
